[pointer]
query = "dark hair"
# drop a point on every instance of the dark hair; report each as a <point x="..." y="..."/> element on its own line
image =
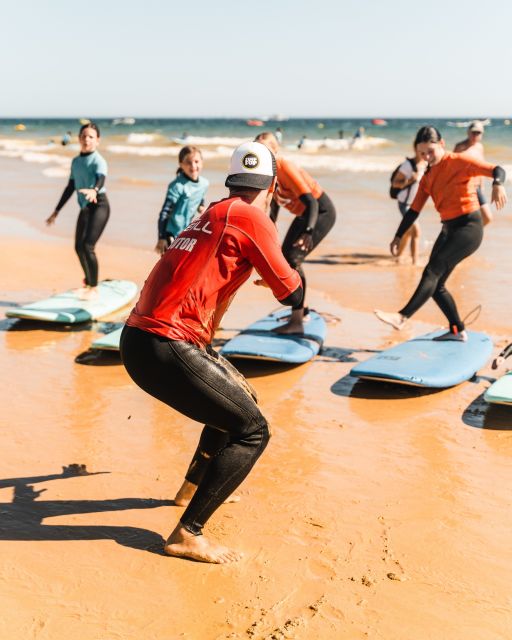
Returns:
<point x="428" y="134"/>
<point x="186" y="151"/>
<point x="89" y="125"/>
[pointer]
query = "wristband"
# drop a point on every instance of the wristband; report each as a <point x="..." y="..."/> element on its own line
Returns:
<point x="496" y="183"/>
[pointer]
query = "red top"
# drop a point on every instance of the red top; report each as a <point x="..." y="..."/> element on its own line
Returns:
<point x="293" y="182"/>
<point x="193" y="283"/>
<point x="451" y="185"/>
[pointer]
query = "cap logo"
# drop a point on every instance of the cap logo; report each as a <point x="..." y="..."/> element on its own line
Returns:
<point x="250" y="161"/>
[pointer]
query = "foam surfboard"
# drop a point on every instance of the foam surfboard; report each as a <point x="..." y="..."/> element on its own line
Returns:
<point x="68" y="308"/>
<point x="425" y="362"/>
<point x="500" y="392"/>
<point x="259" y="342"/>
<point x="109" y="341"/>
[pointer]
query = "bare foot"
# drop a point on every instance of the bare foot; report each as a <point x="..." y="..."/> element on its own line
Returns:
<point x="87" y="293"/>
<point x="396" y="320"/>
<point x="187" y="490"/>
<point x="183" y="544"/>
<point x="294" y="325"/>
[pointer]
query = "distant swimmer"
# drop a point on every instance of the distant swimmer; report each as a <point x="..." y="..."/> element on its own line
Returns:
<point x="279" y="135"/>
<point x="473" y="146"/>
<point x="88" y="173"/>
<point x="185" y="197"/>
<point x="360" y="133"/>
<point x="166" y="343"/>
<point x="449" y="180"/>
<point x="66" y="138"/>
<point x="315" y="215"/>
<point x="404" y="186"/>
<point x="301" y="142"/>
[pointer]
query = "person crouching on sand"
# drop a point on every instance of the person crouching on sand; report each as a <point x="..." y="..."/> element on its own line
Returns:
<point x="315" y="216"/>
<point x="449" y="180"/>
<point x="88" y="173"/>
<point x="165" y="345"/>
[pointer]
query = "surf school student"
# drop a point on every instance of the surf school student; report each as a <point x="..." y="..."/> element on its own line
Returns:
<point x="473" y="146"/>
<point x="185" y="197"/>
<point x="315" y="215"/>
<point x="449" y="180"/>
<point x="406" y="181"/>
<point x="165" y="345"/>
<point x="88" y="173"/>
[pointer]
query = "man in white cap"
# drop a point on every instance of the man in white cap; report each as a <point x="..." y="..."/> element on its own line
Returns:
<point x="473" y="146"/>
<point x="166" y="345"/>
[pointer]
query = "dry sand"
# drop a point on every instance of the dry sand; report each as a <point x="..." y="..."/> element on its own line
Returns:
<point x="375" y="512"/>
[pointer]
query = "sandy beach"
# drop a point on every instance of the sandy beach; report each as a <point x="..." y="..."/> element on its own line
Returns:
<point x="377" y="511"/>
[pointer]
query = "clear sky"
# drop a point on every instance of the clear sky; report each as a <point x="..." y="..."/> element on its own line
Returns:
<point x="338" y="58"/>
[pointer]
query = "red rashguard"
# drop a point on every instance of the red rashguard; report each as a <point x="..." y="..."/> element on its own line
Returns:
<point x="193" y="283"/>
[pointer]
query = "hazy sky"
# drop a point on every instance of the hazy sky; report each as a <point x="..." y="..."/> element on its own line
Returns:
<point x="363" y="58"/>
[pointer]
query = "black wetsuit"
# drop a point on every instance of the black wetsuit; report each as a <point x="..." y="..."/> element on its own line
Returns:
<point x="91" y="223"/>
<point x="318" y="219"/>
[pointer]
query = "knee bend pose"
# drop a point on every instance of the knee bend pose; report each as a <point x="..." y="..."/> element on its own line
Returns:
<point x="165" y="346"/>
<point x="315" y="215"/>
<point x="88" y="172"/>
<point x="449" y="180"/>
<point x="184" y="198"/>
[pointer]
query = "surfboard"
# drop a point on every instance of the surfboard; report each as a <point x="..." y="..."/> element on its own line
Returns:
<point x="500" y="392"/>
<point x="259" y="342"/>
<point x="109" y="341"/>
<point x="68" y="308"/>
<point x="425" y="362"/>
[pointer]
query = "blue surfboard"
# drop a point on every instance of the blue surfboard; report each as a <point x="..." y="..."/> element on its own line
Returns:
<point x="260" y="342"/>
<point x="425" y="362"/>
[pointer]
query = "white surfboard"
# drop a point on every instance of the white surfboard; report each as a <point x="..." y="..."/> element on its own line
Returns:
<point x="68" y="308"/>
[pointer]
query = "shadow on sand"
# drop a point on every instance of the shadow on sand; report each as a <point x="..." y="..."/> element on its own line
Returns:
<point x="22" y="519"/>
<point x="352" y="387"/>
<point x="483" y="415"/>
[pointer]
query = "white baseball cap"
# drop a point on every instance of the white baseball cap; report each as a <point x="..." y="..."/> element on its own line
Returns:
<point x="252" y="165"/>
<point x="476" y="125"/>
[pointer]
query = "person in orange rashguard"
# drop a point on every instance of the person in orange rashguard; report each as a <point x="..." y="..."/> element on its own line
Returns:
<point x="315" y="215"/>
<point x="450" y="181"/>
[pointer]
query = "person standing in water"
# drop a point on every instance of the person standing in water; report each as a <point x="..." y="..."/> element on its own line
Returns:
<point x="315" y="215"/>
<point x="406" y="180"/>
<point x="473" y="146"/>
<point x="88" y="173"/>
<point x="449" y="180"/>
<point x="166" y="343"/>
<point x="185" y="197"/>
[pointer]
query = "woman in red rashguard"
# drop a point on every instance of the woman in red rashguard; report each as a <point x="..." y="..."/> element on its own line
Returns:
<point x="449" y="180"/>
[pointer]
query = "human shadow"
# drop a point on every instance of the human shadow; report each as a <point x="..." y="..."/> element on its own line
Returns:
<point x="351" y="387"/>
<point x="99" y="358"/>
<point x="483" y="415"/>
<point x="22" y="519"/>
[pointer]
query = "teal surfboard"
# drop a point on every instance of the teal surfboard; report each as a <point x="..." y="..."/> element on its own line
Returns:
<point x="500" y="392"/>
<point x="260" y="342"/>
<point x="425" y="362"/>
<point x="68" y="308"/>
<point x="109" y="341"/>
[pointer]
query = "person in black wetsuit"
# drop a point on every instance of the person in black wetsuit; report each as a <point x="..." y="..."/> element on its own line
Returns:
<point x="88" y="172"/>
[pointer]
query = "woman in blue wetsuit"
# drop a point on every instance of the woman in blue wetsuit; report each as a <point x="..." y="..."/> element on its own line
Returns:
<point x="185" y="197"/>
<point x="88" y="173"/>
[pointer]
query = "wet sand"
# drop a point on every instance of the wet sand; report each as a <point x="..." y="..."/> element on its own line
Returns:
<point x="377" y="511"/>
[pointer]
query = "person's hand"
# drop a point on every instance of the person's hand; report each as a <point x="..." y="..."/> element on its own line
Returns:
<point x="261" y="283"/>
<point x="161" y="246"/>
<point x="395" y="246"/>
<point x="52" y="218"/>
<point x="499" y="196"/>
<point x="304" y="242"/>
<point x="91" y="195"/>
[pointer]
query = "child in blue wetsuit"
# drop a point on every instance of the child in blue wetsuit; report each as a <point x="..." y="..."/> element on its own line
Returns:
<point x="88" y="173"/>
<point x="185" y="198"/>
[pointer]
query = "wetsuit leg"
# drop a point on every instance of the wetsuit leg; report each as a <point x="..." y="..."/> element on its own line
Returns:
<point x="458" y="240"/>
<point x="200" y="386"/>
<point x="295" y="256"/>
<point x="91" y="222"/>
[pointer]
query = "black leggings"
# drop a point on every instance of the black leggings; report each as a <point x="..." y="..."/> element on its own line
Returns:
<point x="458" y="239"/>
<point x="91" y="222"/>
<point x="203" y="386"/>
<point x="295" y="256"/>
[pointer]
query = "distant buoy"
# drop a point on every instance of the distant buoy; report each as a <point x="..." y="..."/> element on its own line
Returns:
<point x="20" y="127"/>
<point x="507" y="121"/>
<point x="379" y="122"/>
<point x="255" y="123"/>
<point x="320" y="125"/>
